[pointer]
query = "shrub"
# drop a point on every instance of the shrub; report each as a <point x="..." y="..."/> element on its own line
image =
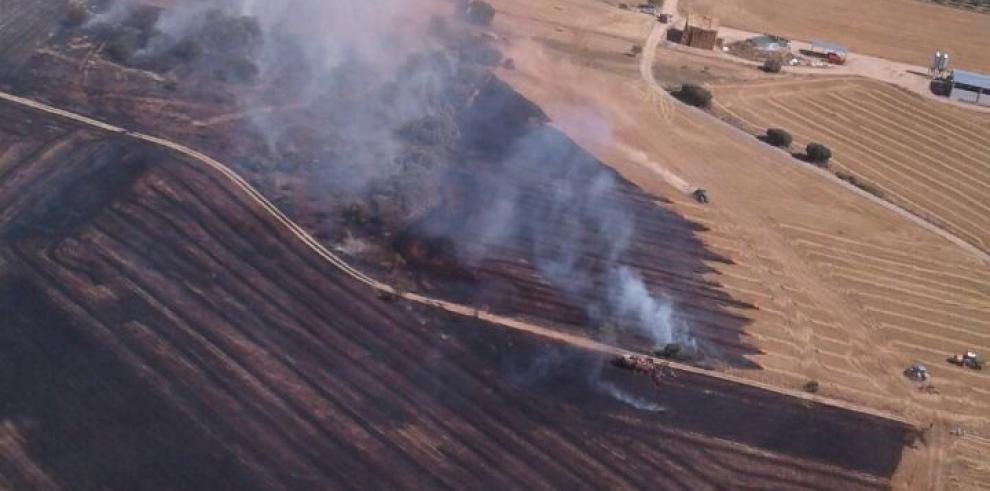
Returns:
<point x="356" y="213"/>
<point x="242" y="70"/>
<point x="124" y="44"/>
<point x="772" y="65"/>
<point x="812" y="386"/>
<point x="479" y="13"/>
<point x="695" y="95"/>
<point x="818" y="154"/>
<point x="778" y="138"/>
<point x="77" y="14"/>
<point x="861" y="184"/>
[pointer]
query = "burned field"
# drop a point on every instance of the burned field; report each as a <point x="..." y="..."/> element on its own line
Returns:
<point x="174" y="335"/>
<point x="470" y="195"/>
<point x="23" y="27"/>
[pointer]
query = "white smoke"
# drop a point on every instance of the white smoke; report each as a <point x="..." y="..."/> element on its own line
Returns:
<point x="627" y="398"/>
<point x="655" y="316"/>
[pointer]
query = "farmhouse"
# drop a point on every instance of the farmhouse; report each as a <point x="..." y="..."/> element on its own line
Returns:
<point x="970" y="87"/>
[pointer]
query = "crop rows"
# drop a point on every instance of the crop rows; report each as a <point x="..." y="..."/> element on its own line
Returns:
<point x="924" y="157"/>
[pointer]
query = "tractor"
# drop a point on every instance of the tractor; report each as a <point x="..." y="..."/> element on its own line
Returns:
<point x="700" y="195"/>
<point x="968" y="359"/>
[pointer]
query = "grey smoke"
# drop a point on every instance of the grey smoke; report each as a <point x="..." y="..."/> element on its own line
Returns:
<point x="578" y="235"/>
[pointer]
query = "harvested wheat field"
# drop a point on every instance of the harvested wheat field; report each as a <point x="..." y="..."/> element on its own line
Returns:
<point x="902" y="30"/>
<point x="927" y="157"/>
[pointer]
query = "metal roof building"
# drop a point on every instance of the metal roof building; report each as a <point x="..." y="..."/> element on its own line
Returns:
<point x="970" y="87"/>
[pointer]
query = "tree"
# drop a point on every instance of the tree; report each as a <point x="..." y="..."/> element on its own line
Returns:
<point x="123" y="45"/>
<point x="479" y="13"/>
<point x="818" y="154"/>
<point x="695" y="95"/>
<point x="187" y="50"/>
<point x="778" y="138"/>
<point x="77" y="14"/>
<point x="772" y="65"/>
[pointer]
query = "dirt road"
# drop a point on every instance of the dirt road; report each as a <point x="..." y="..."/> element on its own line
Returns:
<point x="319" y="249"/>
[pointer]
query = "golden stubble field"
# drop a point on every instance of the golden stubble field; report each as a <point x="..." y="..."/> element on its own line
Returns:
<point x="902" y="30"/>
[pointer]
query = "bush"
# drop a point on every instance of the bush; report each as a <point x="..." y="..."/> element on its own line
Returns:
<point x="695" y="95"/>
<point x="772" y="65"/>
<point x="187" y="50"/>
<point x="818" y="154"/>
<point x="479" y="13"/>
<point x="778" y="138"/>
<point x="812" y="386"/>
<point x="123" y="45"/>
<point x="861" y="184"/>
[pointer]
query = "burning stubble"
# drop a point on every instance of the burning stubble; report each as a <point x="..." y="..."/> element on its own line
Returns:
<point x="390" y="79"/>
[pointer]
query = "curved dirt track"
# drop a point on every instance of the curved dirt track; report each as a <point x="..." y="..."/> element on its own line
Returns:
<point x="646" y="61"/>
<point x="315" y="246"/>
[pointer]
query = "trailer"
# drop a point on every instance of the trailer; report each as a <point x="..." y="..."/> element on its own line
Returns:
<point x="831" y="52"/>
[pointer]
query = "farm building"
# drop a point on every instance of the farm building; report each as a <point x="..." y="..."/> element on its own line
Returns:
<point x="700" y="32"/>
<point x="970" y="87"/>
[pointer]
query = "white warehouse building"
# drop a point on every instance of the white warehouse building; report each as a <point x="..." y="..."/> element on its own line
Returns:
<point x="970" y="87"/>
